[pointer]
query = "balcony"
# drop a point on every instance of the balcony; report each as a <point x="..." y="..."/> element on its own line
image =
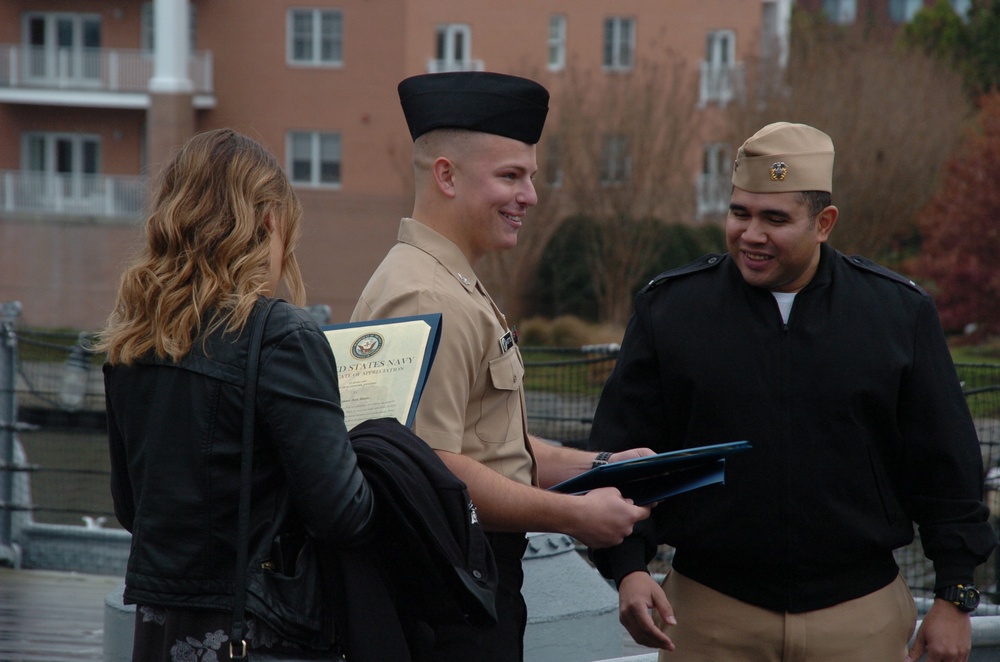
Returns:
<point x="713" y="194"/>
<point x="94" y="77"/>
<point x="103" y="196"/>
<point x="444" y="66"/>
<point x="722" y="83"/>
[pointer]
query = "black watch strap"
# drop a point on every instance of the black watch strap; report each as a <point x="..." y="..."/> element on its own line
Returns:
<point x="963" y="596"/>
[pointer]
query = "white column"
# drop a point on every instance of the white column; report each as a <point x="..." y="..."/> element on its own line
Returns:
<point x="171" y="19"/>
<point x="784" y="29"/>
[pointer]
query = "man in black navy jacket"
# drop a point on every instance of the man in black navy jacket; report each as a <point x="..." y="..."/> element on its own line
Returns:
<point x="838" y="373"/>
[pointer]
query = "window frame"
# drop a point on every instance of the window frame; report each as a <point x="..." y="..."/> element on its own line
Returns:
<point x="49" y="143"/>
<point x="616" y="160"/>
<point x="903" y="11"/>
<point x="446" y="37"/>
<point x="961" y="7"/>
<point x="317" y="37"/>
<point x="843" y="12"/>
<point x="314" y="162"/>
<point x="552" y="170"/>
<point x="720" y="48"/>
<point x="715" y="179"/>
<point x="76" y="61"/>
<point x="618" y="52"/>
<point x="557" y="42"/>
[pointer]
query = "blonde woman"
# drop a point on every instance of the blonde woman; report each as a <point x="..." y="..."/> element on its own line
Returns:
<point x="220" y="237"/>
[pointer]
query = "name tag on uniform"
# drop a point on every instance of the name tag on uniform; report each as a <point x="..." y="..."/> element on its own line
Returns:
<point x="506" y="342"/>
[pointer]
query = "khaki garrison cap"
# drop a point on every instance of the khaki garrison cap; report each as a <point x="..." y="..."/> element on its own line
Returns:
<point x="784" y="157"/>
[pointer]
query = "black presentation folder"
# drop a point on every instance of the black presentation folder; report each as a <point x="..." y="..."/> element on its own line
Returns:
<point x="656" y="477"/>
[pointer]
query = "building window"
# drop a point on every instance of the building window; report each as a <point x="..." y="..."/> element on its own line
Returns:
<point x="721" y="78"/>
<point x="616" y="165"/>
<point x="552" y="164"/>
<point x="62" y="46"/>
<point x="715" y="181"/>
<point x="314" y="158"/>
<point x="961" y="7"/>
<point x="902" y="11"/>
<point x="147" y="27"/>
<point x="557" y="42"/>
<point x="60" y="153"/>
<point x="453" y="50"/>
<point x="619" y="43"/>
<point x="841" y="11"/>
<point x="62" y="169"/>
<point x="316" y="37"/>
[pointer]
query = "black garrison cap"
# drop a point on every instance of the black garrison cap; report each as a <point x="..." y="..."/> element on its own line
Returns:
<point x="483" y="101"/>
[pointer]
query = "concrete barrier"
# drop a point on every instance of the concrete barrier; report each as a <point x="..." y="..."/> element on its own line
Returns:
<point x="74" y="548"/>
<point x="572" y="611"/>
<point x="119" y="626"/>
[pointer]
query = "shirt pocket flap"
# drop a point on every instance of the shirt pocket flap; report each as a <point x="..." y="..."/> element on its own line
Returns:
<point x="506" y="372"/>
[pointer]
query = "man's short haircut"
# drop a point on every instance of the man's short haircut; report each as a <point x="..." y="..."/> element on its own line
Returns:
<point x="815" y="201"/>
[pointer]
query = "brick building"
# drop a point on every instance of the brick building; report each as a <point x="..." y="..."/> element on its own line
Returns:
<point x="94" y="95"/>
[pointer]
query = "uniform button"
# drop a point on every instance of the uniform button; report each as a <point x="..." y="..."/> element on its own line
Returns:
<point x="713" y="260"/>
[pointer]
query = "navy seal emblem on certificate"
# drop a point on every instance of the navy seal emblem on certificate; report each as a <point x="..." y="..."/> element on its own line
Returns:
<point x="367" y="346"/>
<point x="382" y="365"/>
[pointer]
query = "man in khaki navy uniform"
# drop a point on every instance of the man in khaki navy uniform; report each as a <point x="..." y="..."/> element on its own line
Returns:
<point x="474" y="158"/>
<point x="836" y="370"/>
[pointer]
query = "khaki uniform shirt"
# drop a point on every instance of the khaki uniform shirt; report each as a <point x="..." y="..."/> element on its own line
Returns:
<point x="473" y="403"/>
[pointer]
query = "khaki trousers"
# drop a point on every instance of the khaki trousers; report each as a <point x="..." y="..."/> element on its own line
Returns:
<point x="712" y="627"/>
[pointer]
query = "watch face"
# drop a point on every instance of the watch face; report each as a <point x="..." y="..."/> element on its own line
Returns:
<point x="965" y="598"/>
<point x="970" y="598"/>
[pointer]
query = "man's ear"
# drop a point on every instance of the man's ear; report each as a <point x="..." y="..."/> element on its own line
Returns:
<point x="825" y="222"/>
<point x="443" y="170"/>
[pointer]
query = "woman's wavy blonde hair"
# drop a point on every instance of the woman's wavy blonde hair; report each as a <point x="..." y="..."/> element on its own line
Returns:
<point x="206" y="257"/>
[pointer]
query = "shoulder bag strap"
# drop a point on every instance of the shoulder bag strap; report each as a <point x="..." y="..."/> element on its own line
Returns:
<point x="237" y="645"/>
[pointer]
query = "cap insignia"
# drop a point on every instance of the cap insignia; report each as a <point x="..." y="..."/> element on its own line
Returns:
<point x="779" y="170"/>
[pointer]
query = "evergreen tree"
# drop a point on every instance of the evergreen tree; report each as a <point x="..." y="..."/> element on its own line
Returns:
<point x="970" y="44"/>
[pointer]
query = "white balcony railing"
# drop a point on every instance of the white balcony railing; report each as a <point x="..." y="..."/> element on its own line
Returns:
<point x="443" y="66"/>
<point x="91" y="69"/>
<point x="713" y="194"/>
<point x="722" y="83"/>
<point x="104" y="196"/>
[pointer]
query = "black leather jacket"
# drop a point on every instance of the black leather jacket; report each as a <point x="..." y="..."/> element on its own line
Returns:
<point x="857" y="419"/>
<point x="175" y="440"/>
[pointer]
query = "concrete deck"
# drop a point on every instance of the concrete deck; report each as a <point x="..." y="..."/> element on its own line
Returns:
<point x="52" y="616"/>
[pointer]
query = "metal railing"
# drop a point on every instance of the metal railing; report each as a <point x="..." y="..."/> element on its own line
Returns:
<point x="563" y="387"/>
<point x="721" y="84"/>
<point x="107" y="196"/>
<point x="57" y="384"/>
<point x="435" y="66"/>
<point x="91" y="69"/>
<point x="713" y="193"/>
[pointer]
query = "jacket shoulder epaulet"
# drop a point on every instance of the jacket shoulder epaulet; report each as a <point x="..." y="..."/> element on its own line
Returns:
<point x="709" y="261"/>
<point x="865" y="264"/>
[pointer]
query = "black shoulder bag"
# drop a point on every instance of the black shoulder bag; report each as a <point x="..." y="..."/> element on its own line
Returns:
<point x="284" y="588"/>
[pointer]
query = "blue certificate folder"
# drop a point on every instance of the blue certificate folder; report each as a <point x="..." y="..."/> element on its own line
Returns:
<point x="656" y="477"/>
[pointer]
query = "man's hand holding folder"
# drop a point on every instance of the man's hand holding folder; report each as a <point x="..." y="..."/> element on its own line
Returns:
<point x="656" y="477"/>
